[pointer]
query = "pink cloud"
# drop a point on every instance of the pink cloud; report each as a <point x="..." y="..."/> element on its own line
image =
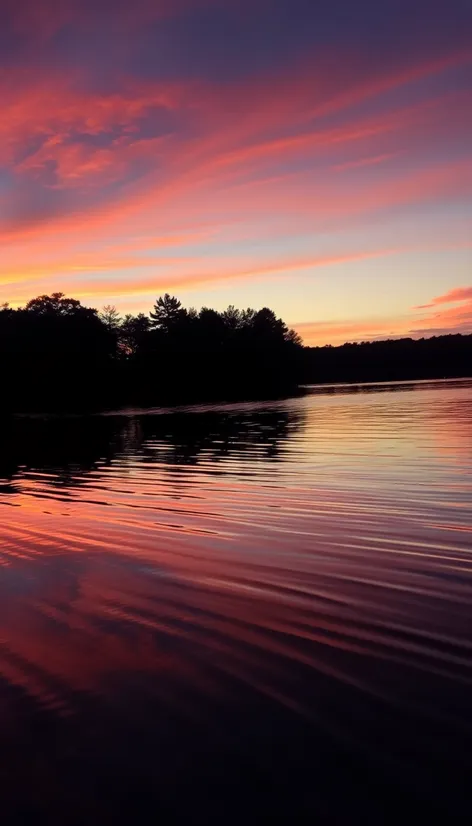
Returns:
<point x="42" y="20"/>
<point x="233" y="155"/>
<point x="451" y="320"/>
<point x="459" y="294"/>
<point x="169" y="273"/>
<point x="235" y="126"/>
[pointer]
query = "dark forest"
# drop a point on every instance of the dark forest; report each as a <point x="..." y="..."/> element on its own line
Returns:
<point x="58" y="355"/>
<point x="448" y="356"/>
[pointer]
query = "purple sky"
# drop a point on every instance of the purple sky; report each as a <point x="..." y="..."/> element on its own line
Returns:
<point x="312" y="156"/>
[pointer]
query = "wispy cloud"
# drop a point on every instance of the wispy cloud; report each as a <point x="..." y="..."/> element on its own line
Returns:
<point x="459" y="294"/>
<point x="451" y="320"/>
<point x="261" y="169"/>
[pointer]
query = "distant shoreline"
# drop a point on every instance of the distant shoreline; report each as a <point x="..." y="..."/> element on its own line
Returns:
<point x="389" y="361"/>
<point x="58" y="356"/>
<point x="395" y="383"/>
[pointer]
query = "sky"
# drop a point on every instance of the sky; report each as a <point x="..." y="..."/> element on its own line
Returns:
<point x="310" y="156"/>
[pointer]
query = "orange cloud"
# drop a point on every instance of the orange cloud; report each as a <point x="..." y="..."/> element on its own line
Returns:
<point x="451" y="320"/>
<point x="235" y="125"/>
<point x="459" y="294"/>
<point x="338" y="332"/>
<point x="51" y="107"/>
<point x="91" y="169"/>
<point x="217" y="273"/>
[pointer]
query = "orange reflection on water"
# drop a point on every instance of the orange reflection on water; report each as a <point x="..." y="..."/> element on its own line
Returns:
<point x="308" y="558"/>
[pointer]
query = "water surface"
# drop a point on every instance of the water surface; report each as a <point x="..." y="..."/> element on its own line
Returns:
<point x="240" y="612"/>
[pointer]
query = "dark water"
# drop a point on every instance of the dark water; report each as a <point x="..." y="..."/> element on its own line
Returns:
<point x="240" y="614"/>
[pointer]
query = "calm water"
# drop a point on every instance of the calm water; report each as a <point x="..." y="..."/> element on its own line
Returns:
<point x="239" y="612"/>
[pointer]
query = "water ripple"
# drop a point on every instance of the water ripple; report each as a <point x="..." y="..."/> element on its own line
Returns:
<point x="234" y="582"/>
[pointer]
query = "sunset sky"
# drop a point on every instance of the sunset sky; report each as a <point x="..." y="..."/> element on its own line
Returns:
<point x="315" y="157"/>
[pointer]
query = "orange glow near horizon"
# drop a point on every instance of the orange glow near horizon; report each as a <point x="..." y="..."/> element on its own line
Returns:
<point x="266" y="187"/>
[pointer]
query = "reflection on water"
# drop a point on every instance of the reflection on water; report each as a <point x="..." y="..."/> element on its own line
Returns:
<point x="240" y="612"/>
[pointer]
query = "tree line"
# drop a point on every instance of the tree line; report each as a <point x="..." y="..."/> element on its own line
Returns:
<point x="57" y="354"/>
<point x="447" y="356"/>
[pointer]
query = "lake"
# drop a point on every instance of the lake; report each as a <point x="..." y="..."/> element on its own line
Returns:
<point x="239" y="612"/>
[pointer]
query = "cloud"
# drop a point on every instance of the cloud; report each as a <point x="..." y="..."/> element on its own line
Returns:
<point x="92" y="160"/>
<point x="167" y="275"/>
<point x="339" y="332"/>
<point x="452" y="320"/>
<point x="202" y="129"/>
<point x="42" y="21"/>
<point x="369" y="161"/>
<point x="459" y="294"/>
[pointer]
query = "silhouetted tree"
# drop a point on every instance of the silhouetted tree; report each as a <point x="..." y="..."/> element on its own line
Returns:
<point x="232" y="318"/>
<point x="247" y="317"/>
<point x="110" y="317"/>
<point x="294" y="338"/>
<point x="55" y="354"/>
<point x="133" y="332"/>
<point x="211" y="327"/>
<point x="167" y="314"/>
<point x="56" y="304"/>
<point x="267" y="328"/>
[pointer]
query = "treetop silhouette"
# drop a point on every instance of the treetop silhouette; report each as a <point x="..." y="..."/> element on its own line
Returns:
<point x="58" y="354"/>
